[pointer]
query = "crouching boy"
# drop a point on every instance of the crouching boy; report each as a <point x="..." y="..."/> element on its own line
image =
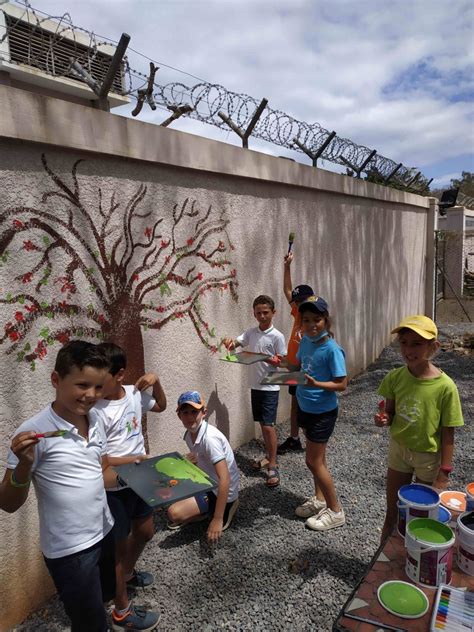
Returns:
<point x="210" y="451"/>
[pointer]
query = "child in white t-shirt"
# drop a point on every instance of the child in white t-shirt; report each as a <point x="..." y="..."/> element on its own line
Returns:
<point x="264" y="397"/>
<point x="211" y="451"/>
<point x="122" y="408"/>
<point x="61" y="450"/>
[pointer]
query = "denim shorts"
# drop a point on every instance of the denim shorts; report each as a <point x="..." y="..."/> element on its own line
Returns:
<point x="318" y="427"/>
<point x="125" y="505"/>
<point x="264" y="406"/>
<point x="84" y="580"/>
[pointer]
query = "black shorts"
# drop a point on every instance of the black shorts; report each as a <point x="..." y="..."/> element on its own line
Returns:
<point x="125" y="505"/>
<point x="318" y="427"/>
<point x="292" y="390"/>
<point x="206" y="501"/>
<point x="264" y="406"/>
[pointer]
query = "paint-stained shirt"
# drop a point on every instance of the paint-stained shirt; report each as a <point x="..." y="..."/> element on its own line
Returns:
<point x="123" y="422"/>
<point x="422" y="408"/>
<point x="67" y="477"/>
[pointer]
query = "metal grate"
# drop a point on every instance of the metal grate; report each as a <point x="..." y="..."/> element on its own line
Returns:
<point x="51" y="52"/>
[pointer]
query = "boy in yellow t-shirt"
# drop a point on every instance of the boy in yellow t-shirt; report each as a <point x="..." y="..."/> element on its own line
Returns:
<point x="422" y="408"/>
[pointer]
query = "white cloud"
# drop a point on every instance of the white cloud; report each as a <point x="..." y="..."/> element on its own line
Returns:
<point x="396" y="76"/>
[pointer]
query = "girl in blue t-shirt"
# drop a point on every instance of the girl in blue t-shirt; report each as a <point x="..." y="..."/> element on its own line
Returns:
<point x="322" y="361"/>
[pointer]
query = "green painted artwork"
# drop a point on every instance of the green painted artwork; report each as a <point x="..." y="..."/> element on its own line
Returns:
<point x="245" y="357"/>
<point x="162" y="480"/>
<point x="181" y="469"/>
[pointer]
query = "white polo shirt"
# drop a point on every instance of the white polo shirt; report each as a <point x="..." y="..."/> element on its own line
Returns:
<point x="67" y="477"/>
<point x="210" y="447"/>
<point x="272" y="342"/>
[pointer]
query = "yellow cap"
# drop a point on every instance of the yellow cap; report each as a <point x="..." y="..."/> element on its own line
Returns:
<point x="422" y="325"/>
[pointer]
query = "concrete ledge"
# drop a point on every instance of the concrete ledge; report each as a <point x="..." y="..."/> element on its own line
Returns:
<point x="27" y="116"/>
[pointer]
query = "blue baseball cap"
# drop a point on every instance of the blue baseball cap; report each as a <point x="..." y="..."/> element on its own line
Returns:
<point x="314" y="304"/>
<point x="193" y="398"/>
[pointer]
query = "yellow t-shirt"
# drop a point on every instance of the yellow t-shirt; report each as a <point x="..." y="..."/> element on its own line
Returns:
<point x="422" y="408"/>
<point x="295" y="336"/>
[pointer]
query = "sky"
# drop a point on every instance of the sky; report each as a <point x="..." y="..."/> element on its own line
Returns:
<point x="393" y="75"/>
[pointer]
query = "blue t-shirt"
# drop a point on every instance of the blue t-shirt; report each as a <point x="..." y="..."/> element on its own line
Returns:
<point x="323" y="362"/>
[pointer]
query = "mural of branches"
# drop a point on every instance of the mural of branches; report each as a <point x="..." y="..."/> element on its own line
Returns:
<point x="103" y="265"/>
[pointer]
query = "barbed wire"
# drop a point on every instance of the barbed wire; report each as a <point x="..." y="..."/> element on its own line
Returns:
<point x="207" y="101"/>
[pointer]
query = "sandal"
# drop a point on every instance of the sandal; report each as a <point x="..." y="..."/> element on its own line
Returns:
<point x="273" y="477"/>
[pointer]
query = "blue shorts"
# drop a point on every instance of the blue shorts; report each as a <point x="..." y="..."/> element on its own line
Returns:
<point x="318" y="427"/>
<point x="264" y="406"/>
<point x="84" y="580"/>
<point x="125" y="505"/>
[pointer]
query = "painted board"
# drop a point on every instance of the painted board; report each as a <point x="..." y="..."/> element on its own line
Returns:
<point x="162" y="480"/>
<point x="245" y="357"/>
<point x="291" y="378"/>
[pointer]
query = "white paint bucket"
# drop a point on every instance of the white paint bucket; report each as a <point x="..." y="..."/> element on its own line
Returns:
<point x="429" y="544"/>
<point x="465" y="542"/>
<point x="416" y="501"/>
<point x="443" y="516"/>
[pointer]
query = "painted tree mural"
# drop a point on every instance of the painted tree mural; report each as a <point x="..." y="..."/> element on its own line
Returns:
<point x="107" y="272"/>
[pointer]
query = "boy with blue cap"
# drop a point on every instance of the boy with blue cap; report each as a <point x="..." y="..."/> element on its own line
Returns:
<point x="211" y="451"/>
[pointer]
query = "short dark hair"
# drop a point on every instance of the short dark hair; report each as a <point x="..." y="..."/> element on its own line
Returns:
<point x="79" y="353"/>
<point x="115" y="355"/>
<point x="263" y="299"/>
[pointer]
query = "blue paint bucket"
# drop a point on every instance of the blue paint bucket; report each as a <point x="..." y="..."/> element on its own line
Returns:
<point x="444" y="515"/>
<point x="417" y="501"/>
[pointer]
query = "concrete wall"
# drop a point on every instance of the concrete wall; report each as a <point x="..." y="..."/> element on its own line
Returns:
<point x="361" y="246"/>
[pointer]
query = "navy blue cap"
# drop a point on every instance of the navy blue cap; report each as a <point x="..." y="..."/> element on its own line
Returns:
<point x="315" y="304"/>
<point x="301" y="292"/>
<point x="193" y="398"/>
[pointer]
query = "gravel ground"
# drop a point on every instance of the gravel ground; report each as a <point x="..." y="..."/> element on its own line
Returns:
<point x="269" y="572"/>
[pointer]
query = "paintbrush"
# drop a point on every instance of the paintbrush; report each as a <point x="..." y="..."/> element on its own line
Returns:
<point x="291" y="239"/>
<point x="50" y="433"/>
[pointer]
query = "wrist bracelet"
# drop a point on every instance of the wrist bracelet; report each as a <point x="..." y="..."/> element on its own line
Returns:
<point x="15" y="483"/>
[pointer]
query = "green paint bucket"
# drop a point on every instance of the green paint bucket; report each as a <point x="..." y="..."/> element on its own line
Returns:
<point x="429" y="546"/>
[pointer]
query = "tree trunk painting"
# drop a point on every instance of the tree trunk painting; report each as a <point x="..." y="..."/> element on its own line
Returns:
<point x="108" y="272"/>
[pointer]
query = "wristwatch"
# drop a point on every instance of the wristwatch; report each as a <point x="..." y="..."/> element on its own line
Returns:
<point x="447" y="469"/>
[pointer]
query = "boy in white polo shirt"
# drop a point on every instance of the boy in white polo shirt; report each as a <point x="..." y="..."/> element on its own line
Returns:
<point x="264" y="339"/>
<point x="66" y="471"/>
<point x="122" y="407"/>
<point x="210" y="451"/>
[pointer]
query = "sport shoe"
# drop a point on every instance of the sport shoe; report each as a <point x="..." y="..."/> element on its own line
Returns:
<point x="137" y="618"/>
<point x="232" y="512"/>
<point x="327" y="519"/>
<point x="140" y="579"/>
<point x="312" y="507"/>
<point x="290" y="445"/>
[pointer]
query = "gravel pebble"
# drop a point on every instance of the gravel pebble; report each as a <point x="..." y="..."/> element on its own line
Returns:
<point x="269" y="572"/>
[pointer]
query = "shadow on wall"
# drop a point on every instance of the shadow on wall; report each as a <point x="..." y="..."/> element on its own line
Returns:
<point x="214" y="405"/>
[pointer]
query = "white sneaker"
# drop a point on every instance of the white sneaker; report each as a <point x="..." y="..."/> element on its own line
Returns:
<point x="327" y="519"/>
<point x="312" y="507"/>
